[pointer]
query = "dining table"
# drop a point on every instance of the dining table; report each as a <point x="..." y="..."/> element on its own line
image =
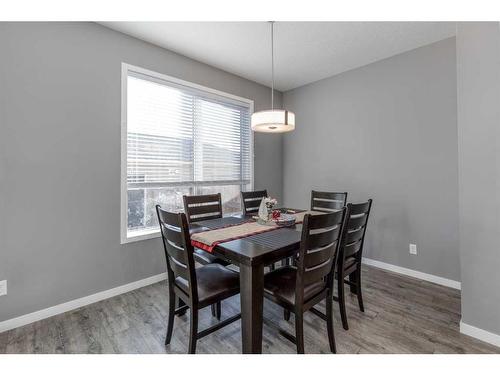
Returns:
<point x="252" y="254"/>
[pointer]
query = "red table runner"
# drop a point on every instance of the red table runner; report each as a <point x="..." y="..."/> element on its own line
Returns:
<point x="208" y="239"/>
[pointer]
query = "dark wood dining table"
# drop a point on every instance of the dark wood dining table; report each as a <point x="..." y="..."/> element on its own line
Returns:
<point x="251" y="254"/>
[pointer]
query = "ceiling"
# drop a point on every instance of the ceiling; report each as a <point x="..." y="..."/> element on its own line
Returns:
<point x="304" y="51"/>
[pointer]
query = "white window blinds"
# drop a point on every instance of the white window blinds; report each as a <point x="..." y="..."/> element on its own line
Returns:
<point x="182" y="140"/>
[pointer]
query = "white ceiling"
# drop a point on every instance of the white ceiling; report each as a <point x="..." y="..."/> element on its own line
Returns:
<point x="304" y="51"/>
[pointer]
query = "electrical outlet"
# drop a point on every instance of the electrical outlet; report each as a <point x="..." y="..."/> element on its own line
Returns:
<point x="3" y="287"/>
<point x="413" y="249"/>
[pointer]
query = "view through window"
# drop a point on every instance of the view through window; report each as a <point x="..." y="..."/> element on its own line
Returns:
<point x="182" y="140"/>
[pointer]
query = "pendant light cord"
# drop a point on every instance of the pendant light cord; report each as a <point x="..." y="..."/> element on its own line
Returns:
<point x="272" y="65"/>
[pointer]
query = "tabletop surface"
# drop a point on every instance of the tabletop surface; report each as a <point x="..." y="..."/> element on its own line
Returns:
<point x="259" y="248"/>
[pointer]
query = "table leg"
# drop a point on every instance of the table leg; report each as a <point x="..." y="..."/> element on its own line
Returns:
<point x="252" y="299"/>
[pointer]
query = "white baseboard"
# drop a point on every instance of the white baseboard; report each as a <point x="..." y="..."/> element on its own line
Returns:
<point x="417" y="274"/>
<point x="74" y="304"/>
<point x="480" y="334"/>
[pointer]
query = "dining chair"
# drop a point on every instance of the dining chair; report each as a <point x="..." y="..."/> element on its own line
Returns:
<point x="350" y="255"/>
<point x="202" y="207"/>
<point x="322" y="201"/>
<point x="197" y="287"/>
<point x="205" y="207"/>
<point x="325" y="201"/>
<point x="251" y="201"/>
<point x="299" y="288"/>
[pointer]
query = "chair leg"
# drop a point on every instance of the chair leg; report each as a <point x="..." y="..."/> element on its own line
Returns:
<point x="358" y="287"/>
<point x="329" y="324"/>
<point x="193" y="331"/>
<point x="272" y="267"/>
<point x="286" y="314"/>
<point x="180" y="303"/>
<point x="216" y="310"/>
<point x="299" y="331"/>
<point x="352" y="278"/>
<point x="171" y="315"/>
<point x="343" y="313"/>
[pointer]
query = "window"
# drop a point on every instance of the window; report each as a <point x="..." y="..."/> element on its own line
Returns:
<point x="179" y="138"/>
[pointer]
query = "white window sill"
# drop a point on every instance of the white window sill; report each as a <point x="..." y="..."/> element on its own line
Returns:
<point x="141" y="236"/>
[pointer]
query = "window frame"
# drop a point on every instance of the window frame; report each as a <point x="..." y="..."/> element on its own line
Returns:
<point x="126" y="68"/>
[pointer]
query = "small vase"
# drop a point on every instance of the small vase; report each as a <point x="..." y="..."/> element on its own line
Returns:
<point x="270" y="209"/>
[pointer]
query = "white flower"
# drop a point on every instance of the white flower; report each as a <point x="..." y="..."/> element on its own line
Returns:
<point x="270" y="201"/>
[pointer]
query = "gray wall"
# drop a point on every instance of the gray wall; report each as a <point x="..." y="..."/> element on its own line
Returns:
<point x="478" y="61"/>
<point x="386" y="131"/>
<point x="60" y="159"/>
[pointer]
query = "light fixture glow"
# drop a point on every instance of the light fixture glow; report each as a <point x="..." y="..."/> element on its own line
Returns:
<point x="273" y="120"/>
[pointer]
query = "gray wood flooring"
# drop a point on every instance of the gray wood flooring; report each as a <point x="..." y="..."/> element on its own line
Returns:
<point x="403" y="315"/>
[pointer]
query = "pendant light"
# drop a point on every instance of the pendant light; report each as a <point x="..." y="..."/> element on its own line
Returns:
<point x="273" y="120"/>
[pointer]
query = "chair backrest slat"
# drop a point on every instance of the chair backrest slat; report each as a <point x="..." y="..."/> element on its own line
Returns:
<point x="354" y="235"/>
<point x="212" y="208"/>
<point x="360" y="208"/>
<point x="352" y="248"/>
<point x="179" y="269"/>
<point x="202" y="207"/>
<point x="318" y="272"/>
<point x="327" y="201"/>
<point x="321" y="237"/>
<point x="178" y="249"/>
<point x="251" y="200"/>
<point x="173" y="234"/>
<point x="356" y="222"/>
<point x="252" y="206"/>
<point x="318" y="255"/>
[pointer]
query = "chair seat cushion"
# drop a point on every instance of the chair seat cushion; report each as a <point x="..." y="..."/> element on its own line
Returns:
<point x="215" y="283"/>
<point x="281" y="283"/>
<point x="204" y="257"/>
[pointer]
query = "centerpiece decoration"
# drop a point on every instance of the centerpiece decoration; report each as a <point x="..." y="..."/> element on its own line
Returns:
<point x="266" y="209"/>
<point x="268" y="215"/>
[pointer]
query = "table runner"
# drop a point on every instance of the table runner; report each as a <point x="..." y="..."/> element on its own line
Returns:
<point x="208" y="239"/>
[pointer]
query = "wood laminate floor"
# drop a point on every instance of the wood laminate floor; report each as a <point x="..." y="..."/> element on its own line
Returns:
<point x="403" y="315"/>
